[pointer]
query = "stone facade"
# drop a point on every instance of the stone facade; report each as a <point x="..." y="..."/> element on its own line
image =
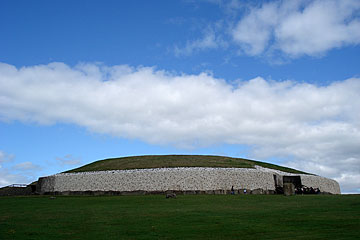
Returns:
<point x="176" y="179"/>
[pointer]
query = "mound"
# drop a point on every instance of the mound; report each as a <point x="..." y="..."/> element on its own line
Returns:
<point x="180" y="173"/>
<point x="174" y="161"/>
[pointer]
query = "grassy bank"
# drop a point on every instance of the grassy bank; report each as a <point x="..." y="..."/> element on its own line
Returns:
<point x="169" y="161"/>
<point x="187" y="217"/>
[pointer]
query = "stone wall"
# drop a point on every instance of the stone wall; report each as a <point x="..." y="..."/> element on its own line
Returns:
<point x="46" y="184"/>
<point x="177" y="179"/>
<point x="324" y="184"/>
<point x="15" y="191"/>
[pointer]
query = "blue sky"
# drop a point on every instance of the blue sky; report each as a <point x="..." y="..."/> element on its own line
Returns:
<point x="276" y="81"/>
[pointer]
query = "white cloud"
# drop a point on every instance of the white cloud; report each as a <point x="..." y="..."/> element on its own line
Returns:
<point x="209" y="40"/>
<point x="26" y="166"/>
<point x="7" y="178"/>
<point x="68" y="160"/>
<point x="24" y="170"/>
<point x="254" y="31"/>
<point x="299" y="28"/>
<point x="5" y="157"/>
<point x="316" y="128"/>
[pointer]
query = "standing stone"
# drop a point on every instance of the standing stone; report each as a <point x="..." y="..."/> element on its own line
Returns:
<point x="289" y="189"/>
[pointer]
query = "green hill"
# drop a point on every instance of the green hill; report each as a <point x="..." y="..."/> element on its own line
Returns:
<point x="171" y="161"/>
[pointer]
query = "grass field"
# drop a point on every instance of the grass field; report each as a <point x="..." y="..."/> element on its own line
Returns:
<point x="187" y="217"/>
<point x="162" y="161"/>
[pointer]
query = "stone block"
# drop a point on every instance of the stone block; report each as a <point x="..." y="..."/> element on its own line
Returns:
<point x="257" y="191"/>
<point x="289" y="189"/>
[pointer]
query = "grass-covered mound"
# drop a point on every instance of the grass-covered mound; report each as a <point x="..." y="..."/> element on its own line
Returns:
<point x="170" y="161"/>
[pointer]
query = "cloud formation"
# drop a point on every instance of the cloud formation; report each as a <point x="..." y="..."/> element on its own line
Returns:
<point x="26" y="166"/>
<point x="316" y="127"/>
<point x="5" y="157"/>
<point x="24" y="171"/>
<point x="68" y="160"/>
<point x="209" y="40"/>
<point x="7" y="178"/>
<point x="298" y="28"/>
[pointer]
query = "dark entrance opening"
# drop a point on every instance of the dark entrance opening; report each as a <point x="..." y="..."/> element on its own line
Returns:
<point x="296" y="180"/>
<point x="278" y="185"/>
<point x="33" y="188"/>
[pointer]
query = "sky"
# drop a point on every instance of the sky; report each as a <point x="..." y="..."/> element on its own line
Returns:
<point x="275" y="81"/>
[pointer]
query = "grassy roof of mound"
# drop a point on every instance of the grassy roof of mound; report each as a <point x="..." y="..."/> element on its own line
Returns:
<point x="171" y="161"/>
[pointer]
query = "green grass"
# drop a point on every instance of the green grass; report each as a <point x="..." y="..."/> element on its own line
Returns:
<point x="187" y="217"/>
<point x="162" y="161"/>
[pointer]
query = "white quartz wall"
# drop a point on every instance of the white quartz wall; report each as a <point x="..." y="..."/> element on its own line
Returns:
<point x="182" y="179"/>
<point x="324" y="184"/>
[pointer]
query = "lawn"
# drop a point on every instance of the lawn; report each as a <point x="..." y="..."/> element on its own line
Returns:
<point x="187" y="217"/>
